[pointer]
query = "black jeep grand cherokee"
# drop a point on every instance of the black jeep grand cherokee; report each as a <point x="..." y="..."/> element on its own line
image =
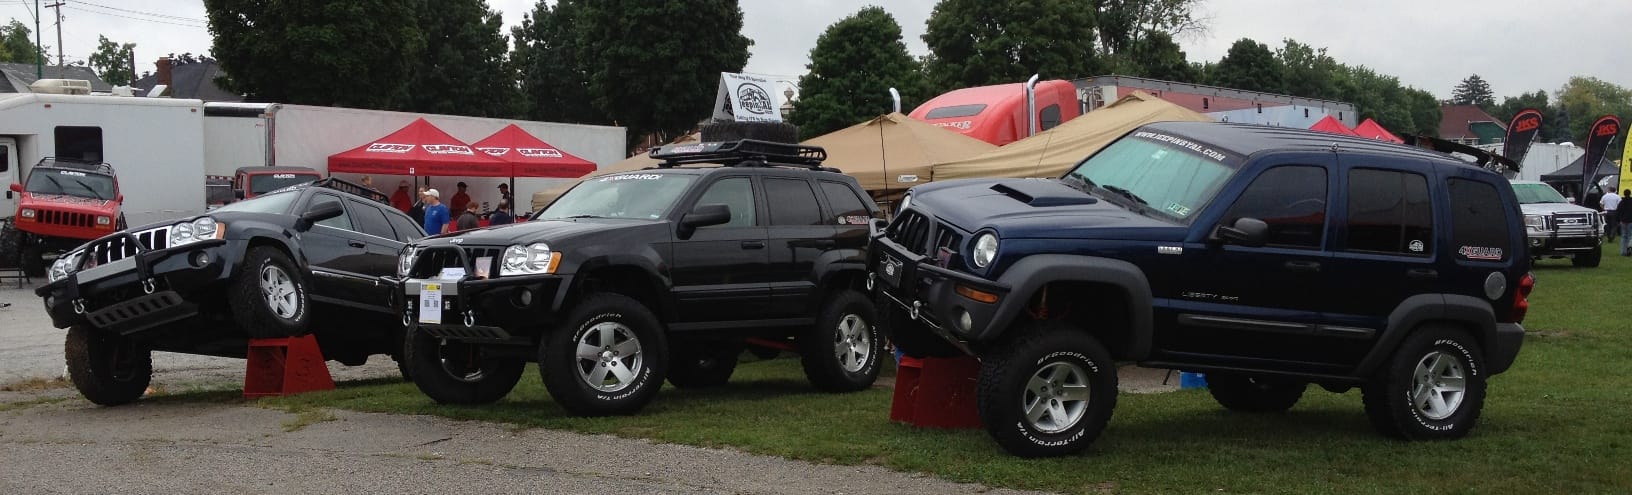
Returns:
<point x="631" y="278"/>
<point x="1266" y="257"/>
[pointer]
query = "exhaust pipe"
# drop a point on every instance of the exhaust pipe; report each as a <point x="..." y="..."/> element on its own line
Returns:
<point x="1031" y="106"/>
<point x="895" y="96"/>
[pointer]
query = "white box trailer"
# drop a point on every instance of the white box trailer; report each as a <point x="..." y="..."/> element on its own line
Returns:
<point x="155" y="145"/>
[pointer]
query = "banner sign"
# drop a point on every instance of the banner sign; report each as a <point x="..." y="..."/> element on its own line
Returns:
<point x="1626" y="167"/>
<point x="1521" y="131"/>
<point x="748" y="98"/>
<point x="1599" y="136"/>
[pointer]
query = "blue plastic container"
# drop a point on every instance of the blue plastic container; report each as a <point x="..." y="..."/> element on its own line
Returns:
<point x="1192" y="380"/>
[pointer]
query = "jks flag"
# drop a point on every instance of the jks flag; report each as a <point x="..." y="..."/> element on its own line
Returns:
<point x="1602" y="132"/>
<point x="1521" y="131"/>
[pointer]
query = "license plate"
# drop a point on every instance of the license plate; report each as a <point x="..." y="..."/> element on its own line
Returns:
<point x="889" y="270"/>
<point x="430" y="304"/>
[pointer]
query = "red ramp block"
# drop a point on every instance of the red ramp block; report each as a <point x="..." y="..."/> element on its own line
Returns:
<point x="936" y="392"/>
<point x="284" y="366"/>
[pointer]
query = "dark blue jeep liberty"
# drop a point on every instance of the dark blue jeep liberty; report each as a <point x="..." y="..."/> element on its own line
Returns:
<point x="1267" y="258"/>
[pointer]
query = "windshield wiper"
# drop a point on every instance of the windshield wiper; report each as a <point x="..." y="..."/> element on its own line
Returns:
<point x="54" y="182"/>
<point x="569" y="217"/>
<point x="1126" y="194"/>
<point x="1077" y="182"/>
<point x="89" y="189"/>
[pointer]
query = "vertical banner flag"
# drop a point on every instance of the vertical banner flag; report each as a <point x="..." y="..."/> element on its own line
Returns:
<point x="1604" y="130"/>
<point x="747" y="98"/>
<point x="1626" y="167"/>
<point x="1521" y="131"/>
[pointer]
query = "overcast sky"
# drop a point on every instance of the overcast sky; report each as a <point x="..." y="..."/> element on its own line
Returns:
<point x="1517" y="45"/>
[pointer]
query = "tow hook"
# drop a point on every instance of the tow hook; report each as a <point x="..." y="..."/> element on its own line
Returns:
<point x="917" y="306"/>
<point x="79" y="306"/>
<point x="147" y="286"/>
<point x="870" y="277"/>
<point x="470" y="318"/>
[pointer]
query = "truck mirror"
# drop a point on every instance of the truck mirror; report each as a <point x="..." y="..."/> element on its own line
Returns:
<point x="16" y="188"/>
<point x="703" y="216"/>
<point x="1249" y="232"/>
<point x="237" y="194"/>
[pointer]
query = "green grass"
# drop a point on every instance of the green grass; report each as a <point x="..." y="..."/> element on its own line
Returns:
<point x="1557" y="422"/>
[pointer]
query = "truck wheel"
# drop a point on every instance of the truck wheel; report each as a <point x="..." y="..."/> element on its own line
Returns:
<point x="913" y="339"/>
<point x="841" y="352"/>
<point x="1432" y="388"/>
<point x="458" y="372"/>
<point x="107" y="369"/>
<point x="268" y="298"/>
<point x="33" y="261"/>
<point x="1047" y="392"/>
<point x="11" y="243"/>
<point x="776" y="132"/>
<point x="1254" y="393"/>
<point x="609" y="358"/>
<point x="1588" y="259"/>
<point x="703" y="364"/>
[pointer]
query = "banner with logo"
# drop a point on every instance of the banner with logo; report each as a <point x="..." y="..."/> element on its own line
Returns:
<point x="1521" y="131"/>
<point x="748" y="98"/>
<point x="1626" y="166"/>
<point x="1602" y="132"/>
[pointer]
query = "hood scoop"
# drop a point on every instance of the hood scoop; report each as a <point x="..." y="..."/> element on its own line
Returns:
<point x="1043" y="193"/>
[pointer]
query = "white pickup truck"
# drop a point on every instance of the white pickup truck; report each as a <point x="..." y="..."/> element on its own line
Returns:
<point x="1558" y="228"/>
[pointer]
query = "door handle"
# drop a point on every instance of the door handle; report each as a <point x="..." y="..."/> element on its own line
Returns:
<point x="1303" y="266"/>
<point x="1422" y="274"/>
<point x="356" y="244"/>
<point x="753" y="244"/>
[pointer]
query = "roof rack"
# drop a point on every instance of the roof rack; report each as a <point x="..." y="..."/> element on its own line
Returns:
<point x="96" y="167"/>
<point x="742" y="153"/>
<point x="345" y="186"/>
<point x="1486" y="159"/>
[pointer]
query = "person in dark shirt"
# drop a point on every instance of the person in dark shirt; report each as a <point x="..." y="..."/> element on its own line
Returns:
<point x="469" y="219"/>
<point x="504" y="194"/>
<point x="417" y="211"/>
<point x="501" y="215"/>
<point x="1623" y="215"/>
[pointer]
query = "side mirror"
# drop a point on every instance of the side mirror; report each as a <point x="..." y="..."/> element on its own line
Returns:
<point x="16" y="188"/>
<point x="704" y="216"/>
<point x="1249" y="232"/>
<point x="237" y="194"/>
<point x="119" y="198"/>
<point x="320" y="212"/>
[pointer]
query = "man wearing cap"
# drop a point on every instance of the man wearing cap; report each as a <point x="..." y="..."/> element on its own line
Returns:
<point x="460" y="199"/>
<point x="436" y="213"/>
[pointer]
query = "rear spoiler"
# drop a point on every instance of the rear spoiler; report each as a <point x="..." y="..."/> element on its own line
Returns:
<point x="1489" y="160"/>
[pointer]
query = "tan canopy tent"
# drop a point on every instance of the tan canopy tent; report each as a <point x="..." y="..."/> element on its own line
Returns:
<point x="893" y="152"/>
<point x="637" y="162"/>
<point x="1053" y="152"/>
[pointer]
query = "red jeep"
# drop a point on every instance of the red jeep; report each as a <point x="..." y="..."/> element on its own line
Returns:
<point x="64" y="203"/>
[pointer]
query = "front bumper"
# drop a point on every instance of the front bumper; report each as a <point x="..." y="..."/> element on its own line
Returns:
<point x="493" y="310"/>
<point x="139" y="292"/>
<point x="1555" y="244"/>
<point x="929" y="293"/>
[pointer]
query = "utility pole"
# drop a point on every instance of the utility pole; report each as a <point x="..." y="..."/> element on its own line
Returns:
<point x="60" y="60"/>
<point x="39" y="55"/>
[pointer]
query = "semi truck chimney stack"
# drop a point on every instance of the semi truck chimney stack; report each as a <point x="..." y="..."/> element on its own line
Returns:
<point x="163" y="73"/>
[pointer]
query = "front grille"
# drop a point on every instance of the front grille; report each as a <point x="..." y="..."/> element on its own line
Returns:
<point x="916" y="231"/>
<point x="119" y="247"/>
<point x="66" y="218"/>
<point x="1575" y="223"/>
<point x="431" y="261"/>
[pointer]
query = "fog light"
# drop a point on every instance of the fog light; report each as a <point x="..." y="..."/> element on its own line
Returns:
<point x="524" y="297"/>
<point x="965" y="322"/>
<point x="200" y="259"/>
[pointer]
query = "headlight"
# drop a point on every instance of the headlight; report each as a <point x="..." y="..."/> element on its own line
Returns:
<point x="1536" y="221"/>
<point x="532" y="259"/>
<point x="905" y="202"/>
<point x="28" y="213"/>
<point x="985" y="250"/>
<point x="100" y="220"/>
<point x="201" y="229"/>
<point x="405" y="262"/>
<point x="63" y="266"/>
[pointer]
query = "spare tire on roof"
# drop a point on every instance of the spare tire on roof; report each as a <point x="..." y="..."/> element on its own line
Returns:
<point x="778" y="132"/>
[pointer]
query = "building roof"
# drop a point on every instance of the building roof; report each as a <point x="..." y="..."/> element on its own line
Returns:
<point x="1455" y="121"/>
<point x="17" y="77"/>
<point x="191" y="81"/>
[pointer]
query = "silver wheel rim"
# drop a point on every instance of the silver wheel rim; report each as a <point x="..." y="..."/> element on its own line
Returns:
<point x="1056" y="397"/>
<point x="1438" y="386"/>
<point x="468" y="370"/>
<point x="280" y="292"/>
<point x="609" y="357"/>
<point x="853" y="343"/>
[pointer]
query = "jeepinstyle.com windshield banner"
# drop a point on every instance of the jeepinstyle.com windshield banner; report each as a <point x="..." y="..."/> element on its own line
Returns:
<point x="1199" y="148"/>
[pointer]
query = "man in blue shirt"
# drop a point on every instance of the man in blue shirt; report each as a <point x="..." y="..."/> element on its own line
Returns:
<point x="436" y="213"/>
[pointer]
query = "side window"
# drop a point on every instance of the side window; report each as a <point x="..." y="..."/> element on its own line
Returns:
<point x="1478" y="221"/>
<point x="792" y="202"/>
<point x="1292" y="200"/>
<point x="407" y="230"/>
<point x="1389" y="213"/>
<point x="736" y="193"/>
<point x="79" y="143"/>
<point x="847" y="207"/>
<point x="1048" y="117"/>
<point x="5" y="159"/>
<point x="342" y="222"/>
<point x="372" y="220"/>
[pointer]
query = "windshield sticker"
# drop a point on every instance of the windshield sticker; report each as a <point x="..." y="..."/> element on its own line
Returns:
<point x="1480" y="253"/>
<point x="283" y="176"/>
<point x="70" y="172"/>
<point x="1416" y="247"/>
<point x="1182" y="143"/>
<point x="1178" y="209"/>
<point x="631" y="177"/>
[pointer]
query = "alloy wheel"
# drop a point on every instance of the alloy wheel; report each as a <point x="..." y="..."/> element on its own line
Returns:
<point x="609" y="357"/>
<point x="1056" y="397"/>
<point x="281" y="295"/>
<point x="853" y="343"/>
<point x="1438" y="385"/>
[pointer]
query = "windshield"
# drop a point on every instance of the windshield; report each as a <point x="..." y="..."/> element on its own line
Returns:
<point x="638" y="195"/>
<point x="1165" y="176"/>
<point x="1530" y="194"/>
<point x="259" y="184"/>
<point x="271" y="203"/>
<point x="71" y="183"/>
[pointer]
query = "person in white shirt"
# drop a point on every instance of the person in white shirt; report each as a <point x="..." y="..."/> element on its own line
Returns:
<point x="1610" y="202"/>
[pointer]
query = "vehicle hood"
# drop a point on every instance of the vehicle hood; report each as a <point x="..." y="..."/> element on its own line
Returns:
<point x="562" y="231"/>
<point x="1036" y="208"/>
<point x="1551" y="208"/>
<point x="66" y="202"/>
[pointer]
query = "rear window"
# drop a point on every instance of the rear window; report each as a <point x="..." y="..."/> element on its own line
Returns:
<point x="1389" y="213"/>
<point x="955" y="111"/>
<point x="1478" y="221"/>
<point x="848" y="209"/>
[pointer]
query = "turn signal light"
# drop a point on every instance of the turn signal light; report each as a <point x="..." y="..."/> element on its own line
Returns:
<point x="1521" y="297"/>
<point x="975" y="294"/>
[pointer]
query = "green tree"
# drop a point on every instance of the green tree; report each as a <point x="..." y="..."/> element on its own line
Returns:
<point x="983" y="42"/>
<point x="654" y="65"/>
<point x="1585" y="99"/>
<point x="1551" y="128"/>
<point x="855" y="62"/>
<point x="1473" y="90"/>
<point x="360" y="53"/>
<point x="1251" y="66"/>
<point x="1122" y="23"/>
<point x="551" y="62"/>
<point x="1307" y="71"/>
<point x="112" y="61"/>
<point x="464" y="69"/>
<point x="17" y="44"/>
<point x="1157" y="56"/>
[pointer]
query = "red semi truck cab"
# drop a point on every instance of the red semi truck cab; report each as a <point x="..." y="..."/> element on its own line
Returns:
<point x="69" y="202"/>
<point x="997" y="114"/>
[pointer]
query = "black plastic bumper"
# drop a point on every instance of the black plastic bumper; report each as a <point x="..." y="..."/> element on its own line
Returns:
<point x="929" y="292"/>
<point x="148" y="289"/>
<point x="1509" y="338"/>
<point x="1555" y="245"/>
<point x="495" y="310"/>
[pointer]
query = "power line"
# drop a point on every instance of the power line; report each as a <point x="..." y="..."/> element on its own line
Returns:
<point x="71" y="7"/>
<point x="149" y="14"/>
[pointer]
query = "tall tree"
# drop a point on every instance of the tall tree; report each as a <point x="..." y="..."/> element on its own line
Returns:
<point x="1121" y="23"/>
<point x="647" y="75"/>
<point x="855" y="62"/>
<point x="1251" y="66"/>
<point x="1307" y="71"/>
<point x="982" y="42"/>
<point x="112" y="61"/>
<point x="551" y="61"/>
<point x="1551" y="128"/>
<point x="1157" y="56"/>
<point x="464" y="71"/>
<point x="359" y="53"/>
<point x="1473" y="90"/>
<point x="17" y="44"/>
<point x="1584" y="99"/>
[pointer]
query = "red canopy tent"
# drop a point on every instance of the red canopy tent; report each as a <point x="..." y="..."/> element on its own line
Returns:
<point x="1331" y="125"/>
<point x="419" y="149"/>
<point x="1369" y="129"/>
<point x="531" y="156"/>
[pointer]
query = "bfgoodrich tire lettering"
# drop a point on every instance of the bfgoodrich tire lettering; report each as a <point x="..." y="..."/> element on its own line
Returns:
<point x="1433" y="387"/>
<point x="1048" y="391"/>
<point x="107" y="370"/>
<point x="268" y="298"/>
<point x="841" y="352"/>
<point x="628" y="328"/>
<point x="457" y="372"/>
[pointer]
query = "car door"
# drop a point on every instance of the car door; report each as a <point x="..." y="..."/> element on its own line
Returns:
<point x="380" y="256"/>
<point x="338" y="256"/>
<point x="799" y="234"/>
<point x="1258" y="302"/>
<point x="719" y="271"/>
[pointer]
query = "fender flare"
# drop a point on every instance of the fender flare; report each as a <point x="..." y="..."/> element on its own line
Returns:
<point x="649" y="267"/>
<point x="1415" y="310"/>
<point x="1032" y="273"/>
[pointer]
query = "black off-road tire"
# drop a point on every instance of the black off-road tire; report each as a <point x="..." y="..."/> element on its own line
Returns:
<point x="458" y="372"/>
<point x="250" y="308"/>
<point x="910" y="337"/>
<point x="842" y="351"/>
<point x="107" y="369"/>
<point x="645" y="362"/>
<point x="703" y="364"/>
<point x="11" y="245"/>
<point x="1070" y="358"/>
<point x="777" y="132"/>
<point x="1257" y="394"/>
<point x="1390" y="399"/>
<point x="1589" y="259"/>
<point x="34" y="264"/>
<point x="121" y="224"/>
